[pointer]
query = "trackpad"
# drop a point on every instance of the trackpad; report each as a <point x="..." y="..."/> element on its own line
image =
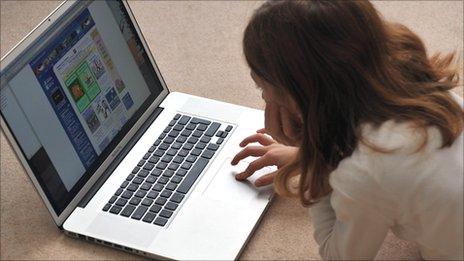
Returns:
<point x="225" y="187"/>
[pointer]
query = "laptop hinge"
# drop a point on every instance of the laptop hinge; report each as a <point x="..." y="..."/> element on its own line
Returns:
<point x="107" y="173"/>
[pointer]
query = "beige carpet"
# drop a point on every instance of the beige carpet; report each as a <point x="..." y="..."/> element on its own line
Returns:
<point x="197" y="47"/>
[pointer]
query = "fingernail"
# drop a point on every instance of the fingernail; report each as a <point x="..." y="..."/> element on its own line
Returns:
<point x="258" y="183"/>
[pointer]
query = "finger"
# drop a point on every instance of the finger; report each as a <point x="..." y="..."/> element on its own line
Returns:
<point x="260" y="138"/>
<point x="266" y="179"/>
<point x="256" y="151"/>
<point x="263" y="131"/>
<point x="254" y="166"/>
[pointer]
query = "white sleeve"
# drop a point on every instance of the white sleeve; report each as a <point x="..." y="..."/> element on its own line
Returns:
<point x="345" y="229"/>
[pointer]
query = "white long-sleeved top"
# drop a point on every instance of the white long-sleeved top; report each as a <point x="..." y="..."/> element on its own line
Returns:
<point x="416" y="195"/>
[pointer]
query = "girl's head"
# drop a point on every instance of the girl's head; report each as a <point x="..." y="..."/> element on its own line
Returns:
<point x="342" y="66"/>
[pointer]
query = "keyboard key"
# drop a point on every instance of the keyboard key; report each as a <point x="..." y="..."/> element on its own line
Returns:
<point x="147" y="202"/>
<point x="135" y="170"/>
<point x="171" y="152"/>
<point x="212" y="129"/>
<point x="169" y="140"/>
<point x="177" y="116"/>
<point x="163" y="180"/>
<point x="178" y="127"/>
<point x="161" y="201"/>
<point x="219" y="134"/>
<point x="200" y="145"/>
<point x="208" y="154"/>
<point x="106" y="207"/>
<point x="220" y="141"/>
<point x="167" y="129"/>
<point x="158" y="141"/>
<point x="152" y="194"/>
<point x="212" y="146"/>
<point x="172" y="123"/>
<point x="177" y="197"/>
<point x="121" y="202"/>
<point x="140" y="164"/>
<point x="186" y="133"/>
<point x="178" y="159"/>
<point x="127" y="194"/>
<point x="201" y="127"/>
<point x="152" y="148"/>
<point x="176" y="145"/>
<point x="135" y="201"/>
<point x="224" y="134"/>
<point x="229" y="128"/>
<point x="128" y="211"/>
<point x="113" y="199"/>
<point x="173" y="134"/>
<point x="202" y="121"/>
<point x="192" y="140"/>
<point x="151" y="179"/>
<point x="157" y="187"/>
<point x="153" y="159"/>
<point x="197" y="134"/>
<point x="192" y="175"/>
<point x="183" y="153"/>
<point x="188" y="146"/>
<point x="115" y="210"/>
<point x="186" y="165"/>
<point x="165" y="213"/>
<point x="156" y="172"/>
<point x="146" y="156"/>
<point x="155" y="208"/>
<point x="166" y="159"/>
<point x="149" y="217"/>
<point x="181" y="172"/>
<point x="140" y="193"/>
<point x="205" y="139"/>
<point x="158" y="153"/>
<point x="190" y="126"/>
<point x="132" y="187"/>
<point x="173" y="166"/>
<point x="171" y="186"/>
<point x="168" y="173"/>
<point x="130" y="177"/>
<point x="160" y="221"/>
<point x="161" y="165"/>
<point x="176" y="179"/>
<point x="145" y="186"/>
<point x="138" y="214"/>
<point x="181" y="139"/>
<point x="184" y="119"/>
<point x="196" y="152"/>
<point x="137" y="181"/>
<point x="163" y="146"/>
<point x="166" y="193"/>
<point x="119" y="191"/>
<point x="171" y="206"/>
<point x="143" y="173"/>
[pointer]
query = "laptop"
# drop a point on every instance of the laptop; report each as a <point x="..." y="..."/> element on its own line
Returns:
<point x="118" y="159"/>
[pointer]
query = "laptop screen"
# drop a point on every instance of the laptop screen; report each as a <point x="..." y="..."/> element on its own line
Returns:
<point x="74" y="94"/>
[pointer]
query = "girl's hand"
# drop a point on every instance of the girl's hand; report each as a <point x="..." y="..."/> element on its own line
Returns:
<point x="282" y="125"/>
<point x="270" y="153"/>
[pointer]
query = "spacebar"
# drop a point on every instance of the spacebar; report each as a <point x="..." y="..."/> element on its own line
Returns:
<point x="192" y="175"/>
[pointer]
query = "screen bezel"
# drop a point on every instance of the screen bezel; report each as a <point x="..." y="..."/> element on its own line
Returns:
<point x="49" y="23"/>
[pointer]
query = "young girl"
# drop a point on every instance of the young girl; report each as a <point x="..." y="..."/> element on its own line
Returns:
<point x="365" y="121"/>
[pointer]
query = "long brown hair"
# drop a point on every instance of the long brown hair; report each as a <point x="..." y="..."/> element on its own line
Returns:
<point x="344" y="66"/>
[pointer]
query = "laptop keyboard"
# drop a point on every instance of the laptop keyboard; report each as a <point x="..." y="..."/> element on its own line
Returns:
<point x="153" y="191"/>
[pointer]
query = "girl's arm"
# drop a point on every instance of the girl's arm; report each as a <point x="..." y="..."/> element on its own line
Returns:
<point x="345" y="229"/>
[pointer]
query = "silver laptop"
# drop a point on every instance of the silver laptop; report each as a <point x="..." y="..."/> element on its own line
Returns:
<point x="116" y="157"/>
